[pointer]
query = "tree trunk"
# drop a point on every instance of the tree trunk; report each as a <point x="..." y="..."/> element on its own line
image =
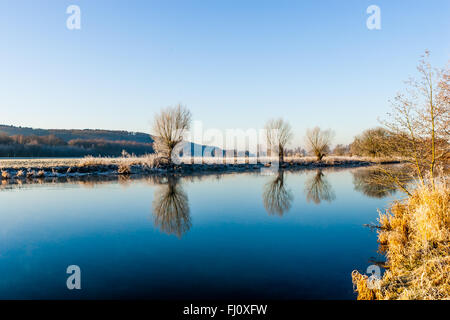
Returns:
<point x="170" y="156"/>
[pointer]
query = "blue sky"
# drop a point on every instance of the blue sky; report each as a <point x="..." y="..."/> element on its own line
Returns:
<point x="235" y="64"/>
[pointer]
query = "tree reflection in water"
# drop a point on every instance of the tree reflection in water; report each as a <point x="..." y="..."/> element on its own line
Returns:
<point x="171" y="208"/>
<point x="376" y="184"/>
<point x="318" y="189"/>
<point x="277" y="198"/>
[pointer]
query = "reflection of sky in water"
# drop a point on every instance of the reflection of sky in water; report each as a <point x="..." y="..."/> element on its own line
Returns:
<point x="233" y="248"/>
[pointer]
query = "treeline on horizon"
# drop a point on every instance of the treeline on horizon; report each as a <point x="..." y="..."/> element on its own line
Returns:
<point x="52" y="146"/>
<point x="381" y="142"/>
<point x="374" y="143"/>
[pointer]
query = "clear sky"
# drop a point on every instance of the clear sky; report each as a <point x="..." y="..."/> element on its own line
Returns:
<point x="233" y="63"/>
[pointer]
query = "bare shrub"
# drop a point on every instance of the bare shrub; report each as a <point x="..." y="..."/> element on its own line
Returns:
<point x="5" y="175"/>
<point x="124" y="169"/>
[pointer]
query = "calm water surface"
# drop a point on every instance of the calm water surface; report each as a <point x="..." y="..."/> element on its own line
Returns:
<point x="293" y="235"/>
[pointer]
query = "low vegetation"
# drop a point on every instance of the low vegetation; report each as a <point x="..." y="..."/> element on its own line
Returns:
<point x="88" y="161"/>
<point x="414" y="234"/>
<point x="153" y="161"/>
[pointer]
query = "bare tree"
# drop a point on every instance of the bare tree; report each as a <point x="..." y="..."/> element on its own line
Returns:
<point x="278" y="134"/>
<point x="420" y="120"/>
<point x="372" y="143"/>
<point x="318" y="141"/>
<point x="169" y="127"/>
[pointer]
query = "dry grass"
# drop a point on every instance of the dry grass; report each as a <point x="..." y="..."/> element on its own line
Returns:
<point x="152" y="160"/>
<point x="334" y="159"/>
<point x="147" y="160"/>
<point x="365" y="291"/>
<point x="124" y="169"/>
<point x="5" y="175"/>
<point x="414" y="234"/>
<point x="40" y="174"/>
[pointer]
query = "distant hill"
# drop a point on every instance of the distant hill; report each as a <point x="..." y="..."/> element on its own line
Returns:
<point x="30" y="142"/>
<point x="73" y="134"/>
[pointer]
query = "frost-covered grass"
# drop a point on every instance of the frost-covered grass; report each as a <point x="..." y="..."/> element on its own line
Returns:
<point x="148" y="160"/>
<point x="151" y="160"/>
<point x="415" y="236"/>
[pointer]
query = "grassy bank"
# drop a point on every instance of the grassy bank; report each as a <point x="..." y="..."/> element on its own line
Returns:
<point x="152" y="160"/>
<point x="11" y="169"/>
<point x="414" y="234"/>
